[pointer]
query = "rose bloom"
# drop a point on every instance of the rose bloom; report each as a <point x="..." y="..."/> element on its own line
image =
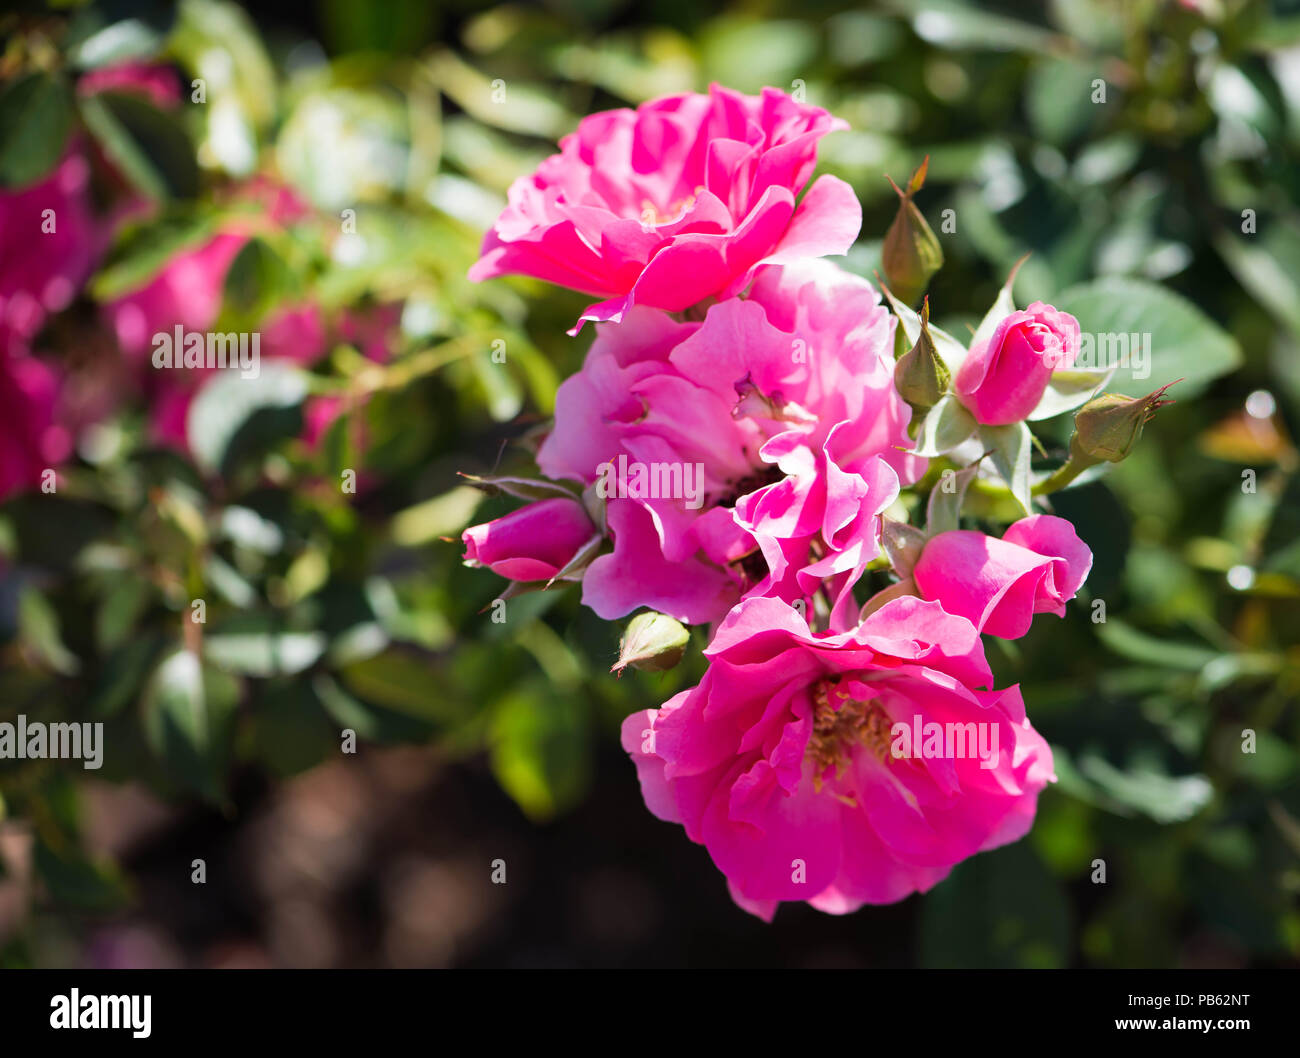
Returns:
<point x="674" y="202"/>
<point x="998" y="585"/>
<point x="785" y="762"/>
<point x="783" y="401"/>
<point x="1003" y="379"/>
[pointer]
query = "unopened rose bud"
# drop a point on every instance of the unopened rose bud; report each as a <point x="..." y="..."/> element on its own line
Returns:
<point x="1107" y="427"/>
<point x="652" y="642"/>
<point x="911" y="253"/>
<point x="920" y="376"/>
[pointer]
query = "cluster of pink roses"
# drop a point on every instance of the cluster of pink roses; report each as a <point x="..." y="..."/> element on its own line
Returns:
<point x="728" y="351"/>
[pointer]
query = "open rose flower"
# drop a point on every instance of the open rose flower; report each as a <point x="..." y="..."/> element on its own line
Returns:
<point x="750" y="452"/>
<point x="1003" y="379"/>
<point x="533" y="543"/>
<point x="675" y="202"/>
<point x="998" y="585"/>
<point x="841" y="769"/>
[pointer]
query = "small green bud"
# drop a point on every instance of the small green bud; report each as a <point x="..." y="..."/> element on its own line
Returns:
<point x="1107" y="427"/>
<point x="920" y="375"/>
<point x="911" y="253"/>
<point x="652" y="642"/>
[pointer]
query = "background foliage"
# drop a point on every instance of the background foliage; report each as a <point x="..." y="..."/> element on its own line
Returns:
<point x="328" y="610"/>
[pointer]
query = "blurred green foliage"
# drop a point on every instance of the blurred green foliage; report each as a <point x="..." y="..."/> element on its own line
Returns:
<point x="328" y="611"/>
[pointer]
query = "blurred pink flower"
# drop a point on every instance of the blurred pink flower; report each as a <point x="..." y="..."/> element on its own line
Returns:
<point x="187" y="292"/>
<point x="1037" y="567"/>
<point x="675" y="202"/>
<point x="157" y="83"/>
<point x="31" y="438"/>
<point x="49" y="243"/>
<point x="373" y="332"/>
<point x="794" y="760"/>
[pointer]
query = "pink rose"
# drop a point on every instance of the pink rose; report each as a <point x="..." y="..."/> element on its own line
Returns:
<point x="49" y="243"/>
<point x="998" y="585"/>
<point x="674" y="202"/>
<point x="1002" y="381"/>
<point x="779" y="415"/>
<point x="292" y="332"/>
<point x="372" y="332"/>
<point x="155" y="82"/>
<point x="533" y="543"/>
<point x="809" y="765"/>
<point x="188" y="291"/>
<point x="31" y="438"/>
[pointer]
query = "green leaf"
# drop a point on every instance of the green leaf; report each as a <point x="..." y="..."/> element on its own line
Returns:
<point x="1058" y="96"/>
<point x="1146" y="788"/>
<point x="150" y="146"/>
<point x="144" y="253"/>
<point x="540" y="749"/>
<point x="36" y="114"/>
<point x="233" y="416"/>
<point x="1185" y="343"/>
<point x="1010" y="448"/>
<point x="1128" y="642"/>
<point x="945" y="426"/>
<point x="252" y="645"/>
<point x="259" y="279"/>
<point x="107" y="34"/>
<point x="38" y="627"/>
<point x="405" y="683"/>
<point x="291" y="732"/>
<point x="997" y="910"/>
<point x="369" y="721"/>
<point x="943" y="509"/>
<point x="188" y="719"/>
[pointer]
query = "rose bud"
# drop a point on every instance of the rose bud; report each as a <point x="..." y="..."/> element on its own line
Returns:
<point x="533" y="543"/>
<point x="1002" y="381"/>
<point x="1107" y="427"/>
<point x="920" y="376"/>
<point x="910" y="253"/>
